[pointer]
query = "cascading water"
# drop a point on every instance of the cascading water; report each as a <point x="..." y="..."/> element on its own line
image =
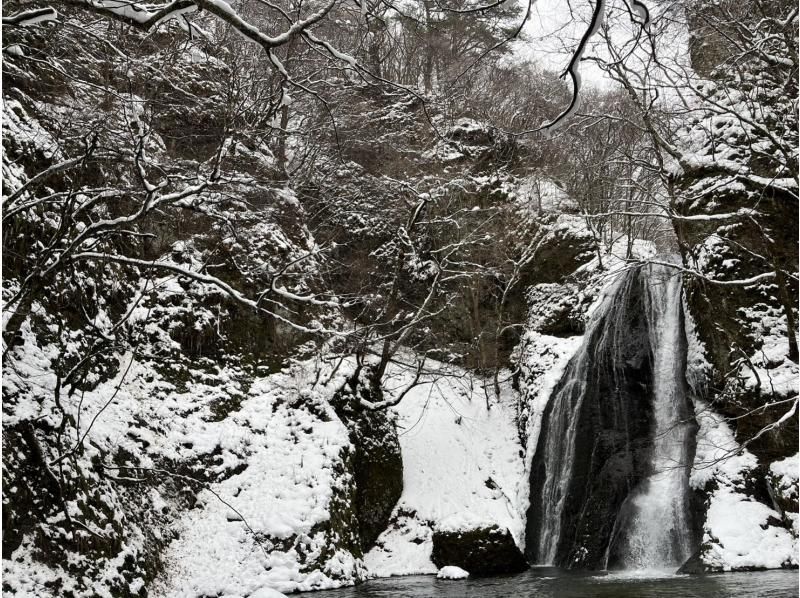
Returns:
<point x="655" y="533"/>
<point x="559" y="447"/>
<point x="609" y="482"/>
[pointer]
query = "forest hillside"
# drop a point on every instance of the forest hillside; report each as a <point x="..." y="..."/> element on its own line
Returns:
<point x="298" y="294"/>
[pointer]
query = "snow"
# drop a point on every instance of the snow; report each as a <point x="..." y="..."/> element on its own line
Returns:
<point x="535" y="191"/>
<point x="452" y="572"/>
<point x="741" y="535"/>
<point x="698" y="369"/>
<point x="35" y="17"/>
<point x="403" y="549"/>
<point x="283" y="495"/>
<point x="717" y="452"/>
<point x="786" y="471"/>
<point x="266" y="593"/>
<point x="737" y="533"/>
<point x="544" y="360"/>
<point x="14" y="50"/>
<point x="462" y="466"/>
<point x="770" y="368"/>
<point x="614" y="260"/>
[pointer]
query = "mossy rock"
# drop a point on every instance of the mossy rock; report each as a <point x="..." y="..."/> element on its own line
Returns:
<point x="377" y="462"/>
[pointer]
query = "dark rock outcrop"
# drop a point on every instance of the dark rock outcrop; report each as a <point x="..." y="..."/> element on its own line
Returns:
<point x="557" y="309"/>
<point x="480" y="551"/>
<point x="695" y="565"/>
<point x="377" y="462"/>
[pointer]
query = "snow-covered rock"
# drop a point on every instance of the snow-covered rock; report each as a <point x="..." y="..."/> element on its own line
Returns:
<point x="740" y="533"/>
<point x="783" y="480"/>
<point x="452" y="572"/>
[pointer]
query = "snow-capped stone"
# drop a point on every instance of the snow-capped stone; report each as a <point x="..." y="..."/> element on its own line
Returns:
<point x="452" y="572"/>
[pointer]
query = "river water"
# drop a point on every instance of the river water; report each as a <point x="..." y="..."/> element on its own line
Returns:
<point x="545" y="582"/>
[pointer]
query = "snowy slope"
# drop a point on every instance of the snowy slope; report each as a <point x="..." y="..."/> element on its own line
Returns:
<point x="462" y="465"/>
<point x="250" y="476"/>
<point x="279" y="504"/>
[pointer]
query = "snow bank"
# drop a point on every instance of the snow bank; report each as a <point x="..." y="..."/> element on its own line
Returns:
<point x="786" y="473"/>
<point x="462" y="465"/>
<point x="739" y="536"/>
<point x="266" y="593"/>
<point x="282" y="502"/>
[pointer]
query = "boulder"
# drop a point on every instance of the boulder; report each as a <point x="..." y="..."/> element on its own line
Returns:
<point x="695" y="565"/>
<point x="782" y="484"/>
<point x="480" y="551"/>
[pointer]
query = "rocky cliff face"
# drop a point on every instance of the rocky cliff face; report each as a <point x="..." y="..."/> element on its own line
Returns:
<point x="738" y="192"/>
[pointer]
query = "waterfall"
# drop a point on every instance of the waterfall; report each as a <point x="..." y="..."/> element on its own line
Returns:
<point x="654" y="534"/>
<point x="560" y="443"/>
<point x="609" y="484"/>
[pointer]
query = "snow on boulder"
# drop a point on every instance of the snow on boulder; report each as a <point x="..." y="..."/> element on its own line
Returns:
<point x="783" y="476"/>
<point x="746" y="536"/>
<point x="452" y="572"/>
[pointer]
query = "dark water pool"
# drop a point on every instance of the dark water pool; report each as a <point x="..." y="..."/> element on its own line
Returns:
<point x="552" y="583"/>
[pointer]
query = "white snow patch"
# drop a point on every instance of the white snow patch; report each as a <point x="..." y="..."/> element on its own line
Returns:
<point x="266" y="593"/>
<point x="403" y="549"/>
<point x="284" y="492"/>
<point x="786" y="471"/>
<point x="739" y="536"/>
<point x="452" y="572"/>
